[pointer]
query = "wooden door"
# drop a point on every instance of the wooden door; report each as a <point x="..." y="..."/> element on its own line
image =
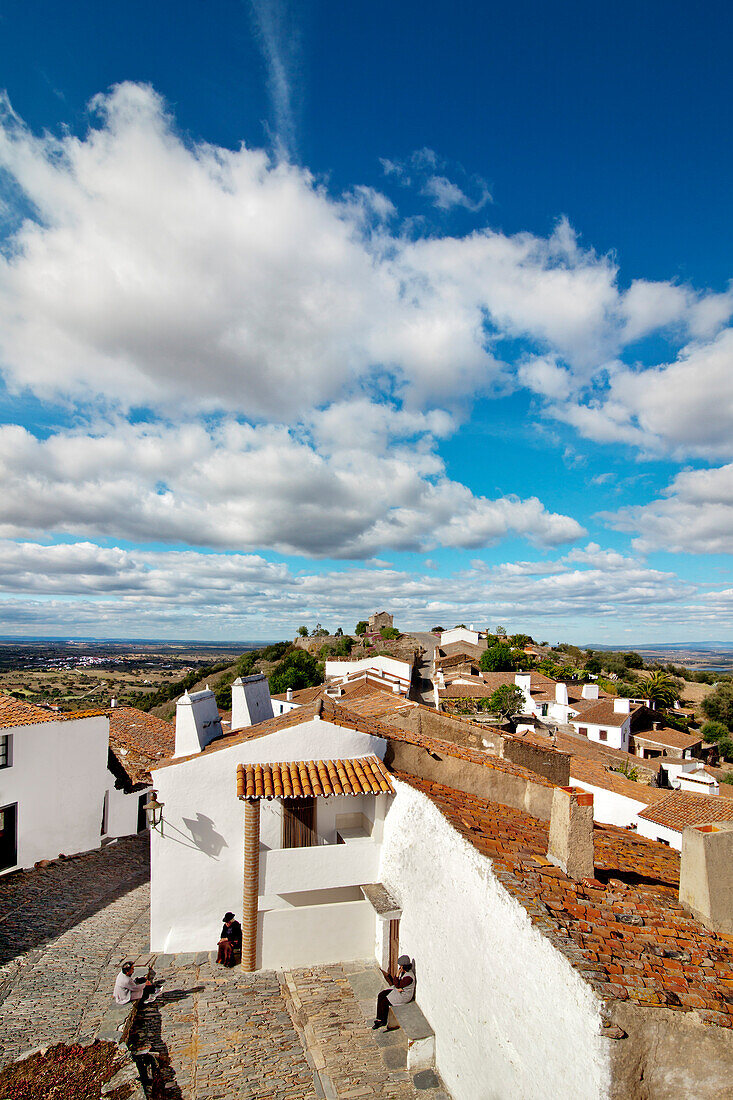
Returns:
<point x="8" y="836"/>
<point x="299" y="822"/>
<point x="394" y="946"/>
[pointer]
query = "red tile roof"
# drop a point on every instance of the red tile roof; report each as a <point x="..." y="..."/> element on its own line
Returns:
<point x="682" y="808"/>
<point x="139" y="742"/>
<point x="597" y="774"/>
<point x="603" y="713"/>
<point x="669" y="738"/>
<point x="16" y="712"/>
<point x="624" y="930"/>
<point x="313" y="778"/>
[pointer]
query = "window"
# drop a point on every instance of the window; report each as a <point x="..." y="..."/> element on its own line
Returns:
<point x="603" y="735"/>
<point x="583" y="731"/>
<point x="6" y="755"/>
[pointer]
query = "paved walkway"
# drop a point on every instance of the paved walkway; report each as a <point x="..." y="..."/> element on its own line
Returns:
<point x="219" y="1034"/>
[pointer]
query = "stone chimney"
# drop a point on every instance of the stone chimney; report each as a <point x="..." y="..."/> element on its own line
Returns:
<point x="706" y="874"/>
<point x="590" y="691"/>
<point x="197" y="722"/>
<point x="251" y="702"/>
<point x="621" y="706"/>
<point x="570" y="844"/>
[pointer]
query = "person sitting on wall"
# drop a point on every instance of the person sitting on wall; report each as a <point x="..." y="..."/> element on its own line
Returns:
<point x="400" y="992"/>
<point x="129" y="989"/>
<point x="230" y="943"/>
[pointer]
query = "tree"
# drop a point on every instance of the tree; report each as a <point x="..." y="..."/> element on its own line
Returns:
<point x="497" y="658"/>
<point x="343" y="646"/>
<point x="296" y="670"/>
<point x="303" y="631"/>
<point x="661" y="688"/>
<point x="361" y="627"/>
<point x="339" y="632"/>
<point x="437" y="630"/>
<point x="714" y="731"/>
<point x="633" y="660"/>
<point x="501" y="631"/>
<point x="725" y="748"/>
<point x="520" y="640"/>
<point x="506" y="701"/>
<point x="718" y="705"/>
<point x="389" y="632"/>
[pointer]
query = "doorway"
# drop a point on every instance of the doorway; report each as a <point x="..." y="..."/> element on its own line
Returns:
<point x="394" y="945"/>
<point x="8" y="836"/>
<point x="299" y="823"/>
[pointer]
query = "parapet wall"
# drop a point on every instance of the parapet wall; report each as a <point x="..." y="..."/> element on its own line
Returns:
<point x="550" y="763"/>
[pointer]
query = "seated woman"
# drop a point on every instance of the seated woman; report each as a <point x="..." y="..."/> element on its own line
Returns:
<point x="230" y="943"/>
<point x="400" y="992"/>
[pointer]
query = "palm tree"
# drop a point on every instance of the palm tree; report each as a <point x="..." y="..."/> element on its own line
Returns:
<point x="661" y="689"/>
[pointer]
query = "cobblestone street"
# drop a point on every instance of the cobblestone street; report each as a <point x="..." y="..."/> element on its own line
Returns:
<point x="219" y="1034"/>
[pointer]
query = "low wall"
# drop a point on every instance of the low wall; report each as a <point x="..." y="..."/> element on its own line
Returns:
<point x="511" y="1016"/>
<point x="476" y="778"/>
<point x="550" y="763"/>
<point x="314" y="935"/>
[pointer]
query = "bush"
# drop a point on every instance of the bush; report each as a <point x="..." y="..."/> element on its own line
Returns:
<point x="714" y="731"/>
<point x="725" y="747"/>
<point x="497" y="658"/>
<point x="343" y="646"/>
<point x="506" y="701"/>
<point x="727" y="778"/>
<point x="361" y="627"/>
<point x="298" y="669"/>
<point x="633" y="660"/>
<point x="389" y="632"/>
<point x="718" y="705"/>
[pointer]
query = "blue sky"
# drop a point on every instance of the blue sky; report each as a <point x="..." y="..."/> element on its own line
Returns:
<point x="309" y="309"/>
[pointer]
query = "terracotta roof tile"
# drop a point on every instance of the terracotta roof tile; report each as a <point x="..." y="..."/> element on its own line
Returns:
<point x="682" y="808"/>
<point x="16" y="712"/>
<point x="597" y="774"/>
<point x="624" y="930"/>
<point x="669" y="738"/>
<point x="312" y="778"/>
<point x="602" y="713"/>
<point x="139" y="742"/>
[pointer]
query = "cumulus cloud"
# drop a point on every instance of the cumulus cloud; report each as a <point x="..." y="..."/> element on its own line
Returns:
<point x="244" y="487"/>
<point x="156" y="271"/>
<point x="694" y="516"/>
<point x="114" y="592"/>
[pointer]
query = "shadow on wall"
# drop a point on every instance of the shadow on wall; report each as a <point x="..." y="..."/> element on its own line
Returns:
<point x="205" y="836"/>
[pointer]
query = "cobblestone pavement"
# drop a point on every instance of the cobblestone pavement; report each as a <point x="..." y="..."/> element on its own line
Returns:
<point x="64" y="930"/>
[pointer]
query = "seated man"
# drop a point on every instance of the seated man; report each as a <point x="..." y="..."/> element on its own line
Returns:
<point x="401" y="990"/>
<point x="129" y="989"/>
<point x="231" y="941"/>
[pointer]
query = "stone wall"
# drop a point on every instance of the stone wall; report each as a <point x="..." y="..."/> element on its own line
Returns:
<point x="550" y="763"/>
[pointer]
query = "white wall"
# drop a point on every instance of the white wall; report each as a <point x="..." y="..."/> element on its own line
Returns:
<point x="618" y="736"/>
<point x="399" y="670"/>
<point x="512" y="1018"/>
<point x="659" y="832"/>
<point x="58" y="778"/>
<point x="196" y="871"/>
<point x="316" y="934"/>
<point x="122" y="809"/>
<point x="459" y="634"/>
<point x="610" y="807"/>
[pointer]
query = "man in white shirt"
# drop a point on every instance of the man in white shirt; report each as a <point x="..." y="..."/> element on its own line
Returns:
<point x="129" y="989"/>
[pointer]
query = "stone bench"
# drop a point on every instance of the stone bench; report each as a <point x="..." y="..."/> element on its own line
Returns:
<point x="117" y="1022"/>
<point x="418" y="1032"/>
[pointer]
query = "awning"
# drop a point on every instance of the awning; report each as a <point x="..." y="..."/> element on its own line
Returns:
<point x="312" y="778"/>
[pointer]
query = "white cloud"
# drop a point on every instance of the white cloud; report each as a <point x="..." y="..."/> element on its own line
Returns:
<point x="695" y="515"/>
<point x="274" y="26"/>
<point x="85" y="588"/>
<point x="244" y="487"/>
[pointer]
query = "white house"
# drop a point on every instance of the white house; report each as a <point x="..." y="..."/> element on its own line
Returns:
<point x="320" y="796"/>
<point x="461" y="634"/>
<point x="608" y="722"/>
<point x="388" y="669"/>
<point x="53" y="778"/>
<point x="689" y="775"/>
<point x="667" y="819"/>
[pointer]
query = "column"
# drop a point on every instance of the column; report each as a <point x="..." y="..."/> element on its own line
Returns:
<point x="251" y="883"/>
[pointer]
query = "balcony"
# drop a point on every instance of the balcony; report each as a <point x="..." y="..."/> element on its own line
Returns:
<point x="322" y="867"/>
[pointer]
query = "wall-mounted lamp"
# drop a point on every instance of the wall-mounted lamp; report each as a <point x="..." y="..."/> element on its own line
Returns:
<point x="154" y="810"/>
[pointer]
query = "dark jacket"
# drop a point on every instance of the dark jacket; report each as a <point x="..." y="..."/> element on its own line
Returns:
<point x="233" y="933"/>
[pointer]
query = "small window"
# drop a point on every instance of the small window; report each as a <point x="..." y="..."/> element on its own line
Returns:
<point x="6" y="755"/>
<point x="583" y="731"/>
<point x="603" y="735"/>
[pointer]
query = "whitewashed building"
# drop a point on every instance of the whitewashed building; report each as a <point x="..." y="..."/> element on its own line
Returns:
<point x="608" y="722"/>
<point x="387" y="670"/>
<point x="667" y="819"/>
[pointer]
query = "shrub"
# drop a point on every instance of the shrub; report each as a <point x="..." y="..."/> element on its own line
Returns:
<point x="497" y="658"/>
<point x="506" y="701"/>
<point x="718" y="705"/>
<point x="389" y="632"/>
<point x="361" y="627"/>
<point x="298" y="669"/>
<point x="714" y="731"/>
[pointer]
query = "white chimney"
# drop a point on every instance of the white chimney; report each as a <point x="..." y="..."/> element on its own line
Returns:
<point x="251" y="702"/>
<point x="590" y="691"/>
<point x="622" y="706"/>
<point x="113" y="702"/>
<point x="561" y="694"/>
<point x="396" y="689"/>
<point x="523" y="680"/>
<point x="197" y="722"/>
<point x="289" y="695"/>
